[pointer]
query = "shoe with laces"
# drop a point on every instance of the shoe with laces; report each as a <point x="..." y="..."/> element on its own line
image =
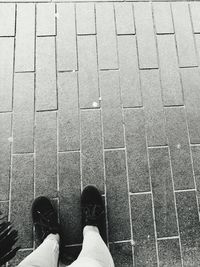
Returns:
<point x="93" y="210"/>
<point x="45" y="218"/>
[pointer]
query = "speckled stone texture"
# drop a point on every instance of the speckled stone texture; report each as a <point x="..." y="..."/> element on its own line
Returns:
<point x="108" y="94"/>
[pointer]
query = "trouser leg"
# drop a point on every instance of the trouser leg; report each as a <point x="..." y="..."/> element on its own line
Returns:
<point x="46" y="255"/>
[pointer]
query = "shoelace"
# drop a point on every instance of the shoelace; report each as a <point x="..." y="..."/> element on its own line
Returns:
<point x="93" y="213"/>
<point x="46" y="222"/>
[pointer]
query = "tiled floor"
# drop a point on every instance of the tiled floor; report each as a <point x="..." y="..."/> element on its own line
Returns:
<point x="107" y="94"/>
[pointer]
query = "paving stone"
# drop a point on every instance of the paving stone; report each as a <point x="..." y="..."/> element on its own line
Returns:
<point x="153" y="107"/>
<point x="23" y="112"/>
<point x="5" y="133"/>
<point x="6" y="73"/>
<point x="122" y="254"/>
<point x="66" y="38"/>
<point x="195" y="14"/>
<point x="85" y="18"/>
<point x="111" y="109"/>
<point x="184" y="36"/>
<point x="138" y="170"/>
<point x="117" y="196"/>
<point x="88" y="74"/>
<point x="179" y="148"/>
<point x="46" y="154"/>
<point x="196" y="164"/>
<point x="25" y="38"/>
<point x="163" y="18"/>
<point x="22" y="198"/>
<point x="129" y="73"/>
<point x="189" y="227"/>
<point x="21" y="255"/>
<point x="7" y="19"/>
<point x="68" y="114"/>
<point x="92" y="148"/>
<point x="169" y="71"/>
<point x="124" y="18"/>
<point x="197" y="40"/>
<point x="70" y="191"/>
<point x="143" y="230"/>
<point x="46" y="91"/>
<point x="106" y="39"/>
<point x="169" y="253"/>
<point x="191" y="81"/>
<point x="145" y="36"/>
<point x="163" y="194"/>
<point x="4" y="210"/>
<point x="46" y="19"/>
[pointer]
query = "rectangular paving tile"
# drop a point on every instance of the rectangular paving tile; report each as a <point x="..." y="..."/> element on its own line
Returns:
<point x="85" y="18"/>
<point x="7" y="19"/>
<point x="197" y="40"/>
<point x="195" y="14"/>
<point x="46" y="154"/>
<point x="163" y="195"/>
<point x="70" y="191"/>
<point x="179" y="148"/>
<point x="88" y="74"/>
<point x="106" y="39"/>
<point x="169" y="71"/>
<point x="122" y="254"/>
<point x="25" y="38"/>
<point x="6" y="73"/>
<point x="129" y="73"/>
<point x="111" y="109"/>
<point x="191" y="81"/>
<point x="23" y="119"/>
<point x="5" y="133"/>
<point x="145" y="36"/>
<point x="46" y="19"/>
<point x="124" y="18"/>
<point x="118" y="211"/>
<point x="22" y="197"/>
<point x="143" y="230"/>
<point x="66" y="38"/>
<point x="92" y="148"/>
<point x="46" y="91"/>
<point x="21" y="255"/>
<point x="189" y="227"/>
<point x="163" y="18"/>
<point x="4" y="211"/>
<point x="196" y="164"/>
<point x="68" y="114"/>
<point x="169" y="252"/>
<point x="138" y="170"/>
<point x="153" y="107"/>
<point x="184" y="36"/>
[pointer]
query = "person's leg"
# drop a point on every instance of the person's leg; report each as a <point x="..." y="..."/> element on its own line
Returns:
<point x="48" y="233"/>
<point x="94" y="251"/>
<point x="46" y="255"/>
<point x="95" y="248"/>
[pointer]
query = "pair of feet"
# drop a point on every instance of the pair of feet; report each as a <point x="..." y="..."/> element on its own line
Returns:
<point x="45" y="218"/>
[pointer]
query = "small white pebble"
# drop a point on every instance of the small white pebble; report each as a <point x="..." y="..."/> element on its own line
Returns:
<point x="10" y="139"/>
<point x="94" y="104"/>
<point x="178" y="146"/>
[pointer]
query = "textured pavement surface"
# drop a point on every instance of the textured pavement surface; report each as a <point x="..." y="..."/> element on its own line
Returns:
<point x="108" y="94"/>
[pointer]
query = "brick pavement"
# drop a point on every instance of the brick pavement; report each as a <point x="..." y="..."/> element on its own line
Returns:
<point x="104" y="93"/>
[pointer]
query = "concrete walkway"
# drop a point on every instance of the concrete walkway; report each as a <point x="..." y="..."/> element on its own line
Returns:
<point x="108" y="94"/>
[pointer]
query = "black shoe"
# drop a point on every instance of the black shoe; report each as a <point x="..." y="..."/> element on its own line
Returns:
<point x="93" y="210"/>
<point x="45" y="218"/>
